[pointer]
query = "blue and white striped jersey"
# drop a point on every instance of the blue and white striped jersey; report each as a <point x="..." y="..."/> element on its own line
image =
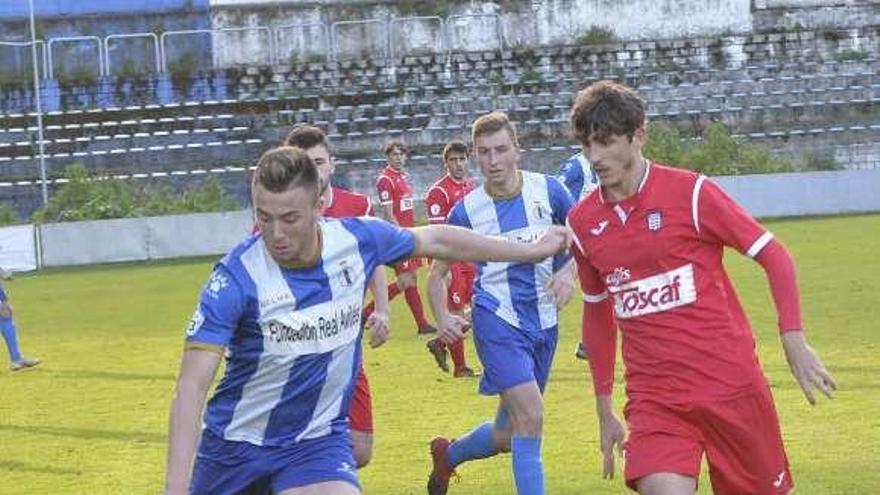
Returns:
<point x="292" y="335"/>
<point x="577" y="176"/>
<point x="516" y="292"/>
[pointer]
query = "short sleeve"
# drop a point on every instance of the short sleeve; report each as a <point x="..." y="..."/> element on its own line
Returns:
<point x="571" y="176"/>
<point x="220" y="309"/>
<point x="436" y="205"/>
<point x="560" y="200"/>
<point x="717" y="217"/>
<point x="391" y="242"/>
<point x="386" y="190"/>
<point x="458" y="216"/>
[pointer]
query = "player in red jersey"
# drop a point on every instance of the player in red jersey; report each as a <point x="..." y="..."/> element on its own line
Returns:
<point x="340" y="203"/>
<point x="442" y="195"/>
<point x="395" y="195"/>
<point x="649" y="252"/>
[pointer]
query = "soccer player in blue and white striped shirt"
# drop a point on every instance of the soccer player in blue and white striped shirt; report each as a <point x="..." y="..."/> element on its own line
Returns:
<point x="515" y="307"/>
<point x="284" y="307"/>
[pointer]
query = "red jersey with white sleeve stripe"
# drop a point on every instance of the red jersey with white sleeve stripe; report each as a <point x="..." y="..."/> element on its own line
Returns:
<point x="443" y="194"/>
<point x="658" y="255"/>
<point x="395" y="189"/>
<point x="347" y="204"/>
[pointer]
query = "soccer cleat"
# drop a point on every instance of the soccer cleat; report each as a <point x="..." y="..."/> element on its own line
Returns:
<point x="465" y="372"/>
<point x="426" y="329"/>
<point x="438" y="350"/>
<point x="438" y="482"/>
<point x="23" y="363"/>
<point x="580" y="352"/>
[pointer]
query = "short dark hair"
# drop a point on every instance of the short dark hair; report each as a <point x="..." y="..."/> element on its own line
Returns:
<point x="491" y="123"/>
<point x="307" y="137"/>
<point x="284" y="168"/>
<point x="456" y="146"/>
<point x="606" y="108"/>
<point x="394" y="143"/>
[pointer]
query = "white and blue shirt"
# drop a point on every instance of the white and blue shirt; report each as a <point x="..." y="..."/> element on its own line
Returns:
<point x="515" y="292"/>
<point x="292" y="335"/>
<point x="578" y="176"/>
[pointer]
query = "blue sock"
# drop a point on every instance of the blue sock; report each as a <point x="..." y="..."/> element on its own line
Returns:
<point x="475" y="445"/>
<point x="528" y="469"/>
<point x="7" y="327"/>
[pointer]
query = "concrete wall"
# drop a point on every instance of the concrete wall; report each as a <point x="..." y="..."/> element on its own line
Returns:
<point x="134" y="239"/>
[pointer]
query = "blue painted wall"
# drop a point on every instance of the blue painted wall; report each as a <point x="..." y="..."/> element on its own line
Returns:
<point x="14" y="9"/>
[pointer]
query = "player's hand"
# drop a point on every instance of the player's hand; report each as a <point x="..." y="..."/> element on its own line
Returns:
<point x="560" y="286"/>
<point x="452" y="328"/>
<point x="806" y="366"/>
<point x="555" y="239"/>
<point x="377" y="323"/>
<point x="611" y="436"/>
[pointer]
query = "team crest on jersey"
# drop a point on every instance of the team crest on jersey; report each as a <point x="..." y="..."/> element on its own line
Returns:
<point x="655" y="220"/>
<point x="435" y="209"/>
<point x="346" y="274"/>
<point x="541" y="211"/>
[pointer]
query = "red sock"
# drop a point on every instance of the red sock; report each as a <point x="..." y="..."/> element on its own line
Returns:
<point x="456" y="349"/>
<point x="393" y="290"/>
<point x="415" y="306"/>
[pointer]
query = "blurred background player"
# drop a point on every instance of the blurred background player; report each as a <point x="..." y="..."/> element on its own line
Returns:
<point x="441" y="197"/>
<point x="649" y="251"/>
<point x="577" y="175"/>
<point x="339" y="203"/>
<point x="284" y="308"/>
<point x="396" y="198"/>
<point x="10" y="332"/>
<point x="515" y="307"/>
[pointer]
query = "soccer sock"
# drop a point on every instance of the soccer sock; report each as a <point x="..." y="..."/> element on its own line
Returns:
<point x="456" y="349"/>
<point x="475" y="445"/>
<point x="528" y="469"/>
<point x="393" y="290"/>
<point x="415" y="305"/>
<point x="7" y="326"/>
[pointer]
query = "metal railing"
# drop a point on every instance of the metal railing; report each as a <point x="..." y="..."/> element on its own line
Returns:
<point x="267" y="45"/>
<point x="75" y="39"/>
<point x="157" y="55"/>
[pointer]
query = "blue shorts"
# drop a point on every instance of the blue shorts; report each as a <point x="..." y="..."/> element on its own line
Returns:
<point x="227" y="467"/>
<point x="511" y="356"/>
<point x="3" y="297"/>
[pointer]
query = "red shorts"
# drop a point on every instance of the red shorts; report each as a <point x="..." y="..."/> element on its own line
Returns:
<point x="461" y="286"/>
<point x="360" y="412"/>
<point x="408" y="265"/>
<point x="740" y="437"/>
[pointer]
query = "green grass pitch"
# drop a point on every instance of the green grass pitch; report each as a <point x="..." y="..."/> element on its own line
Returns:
<point x="92" y="419"/>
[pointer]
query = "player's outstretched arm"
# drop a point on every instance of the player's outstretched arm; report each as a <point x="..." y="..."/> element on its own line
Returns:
<point x="449" y="242"/>
<point x="197" y="371"/>
<point x="377" y="323"/>
<point x="807" y="368"/>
